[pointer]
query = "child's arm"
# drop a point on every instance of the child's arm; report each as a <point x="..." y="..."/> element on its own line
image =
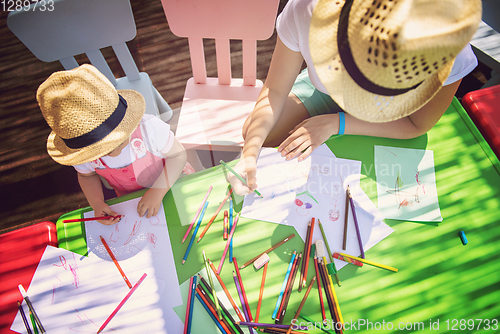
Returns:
<point x="175" y="162"/>
<point x="92" y="188"/>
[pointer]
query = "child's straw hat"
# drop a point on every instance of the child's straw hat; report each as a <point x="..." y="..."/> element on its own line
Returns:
<point x="384" y="59"/>
<point x="88" y="116"/>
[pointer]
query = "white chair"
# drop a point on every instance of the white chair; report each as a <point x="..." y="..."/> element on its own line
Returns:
<point x="214" y="109"/>
<point x="75" y="27"/>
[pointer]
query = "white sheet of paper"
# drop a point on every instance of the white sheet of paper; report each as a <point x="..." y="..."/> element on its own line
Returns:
<point x="406" y="184"/>
<point x="75" y="294"/>
<point x="129" y="237"/>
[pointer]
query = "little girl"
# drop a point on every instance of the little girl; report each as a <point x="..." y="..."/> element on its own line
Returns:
<point x="104" y="133"/>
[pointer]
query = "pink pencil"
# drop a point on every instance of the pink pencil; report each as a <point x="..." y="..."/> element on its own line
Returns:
<point x="122" y="303"/>
<point x="186" y="321"/>
<point x="196" y="215"/>
<point x="91" y="219"/>
<point x="227" y="244"/>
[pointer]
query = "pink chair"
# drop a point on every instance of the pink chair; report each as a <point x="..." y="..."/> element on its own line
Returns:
<point x="214" y="109"/>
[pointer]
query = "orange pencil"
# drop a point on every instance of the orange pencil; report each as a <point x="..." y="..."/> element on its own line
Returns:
<point x="215" y="215"/>
<point x="261" y="293"/>
<point x="242" y="289"/>
<point x="116" y="262"/>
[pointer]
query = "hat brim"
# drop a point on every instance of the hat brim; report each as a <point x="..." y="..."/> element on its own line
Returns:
<point x="353" y="99"/>
<point x="61" y="153"/>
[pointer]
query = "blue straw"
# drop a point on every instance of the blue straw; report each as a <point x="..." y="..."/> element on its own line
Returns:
<point x="194" y="233"/>
<point x="211" y="315"/>
<point x="283" y="286"/>
<point x="191" y="303"/>
<point x="230" y="228"/>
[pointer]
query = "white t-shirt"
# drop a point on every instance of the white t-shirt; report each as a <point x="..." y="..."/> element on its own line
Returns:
<point x="156" y="136"/>
<point x="292" y="26"/>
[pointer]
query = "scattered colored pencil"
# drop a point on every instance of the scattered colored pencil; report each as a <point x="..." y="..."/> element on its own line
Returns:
<point x="306" y="318"/>
<point x="327" y="289"/>
<point x="31" y="307"/>
<point x="225" y="224"/>
<point x="347" y="259"/>
<point x="371" y="263"/>
<point x="321" y="303"/>
<point x="346" y="219"/>
<point x="257" y="324"/>
<point x="211" y="306"/>
<point x="261" y="292"/>
<point x="207" y="267"/>
<point x="288" y="290"/>
<point x="331" y="267"/>
<point x="194" y="233"/>
<point x="189" y="308"/>
<point x="269" y="250"/>
<point x="242" y="289"/>
<point x="353" y="209"/>
<point x="202" y="205"/>
<point x="228" y="244"/>
<point x="242" y="299"/>
<point x="301" y="304"/>
<point x="303" y="264"/>
<point x="283" y="285"/>
<point x="238" y="176"/>
<point x="228" y="295"/>
<point x="205" y="306"/>
<point x="33" y="323"/>
<point x="131" y="291"/>
<point x="116" y="262"/>
<point x="308" y="250"/>
<point x="91" y="219"/>
<point x="215" y="215"/>
<point x="23" y="315"/>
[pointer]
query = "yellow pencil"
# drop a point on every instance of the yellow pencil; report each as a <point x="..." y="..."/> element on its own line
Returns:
<point x="334" y="295"/>
<point x="371" y="263"/>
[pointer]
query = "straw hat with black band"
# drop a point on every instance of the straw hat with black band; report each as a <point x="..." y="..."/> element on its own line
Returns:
<point x="88" y="116"/>
<point x="382" y="60"/>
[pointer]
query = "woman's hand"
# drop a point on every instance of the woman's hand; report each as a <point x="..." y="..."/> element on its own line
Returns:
<point x="247" y="169"/>
<point x="309" y="135"/>
<point x="102" y="209"/>
<point x="150" y="202"/>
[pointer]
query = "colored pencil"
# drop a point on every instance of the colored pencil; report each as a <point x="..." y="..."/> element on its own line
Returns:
<point x="326" y="286"/>
<point x="336" y="301"/>
<point x="277" y="330"/>
<point x="226" y="291"/>
<point x="302" y="304"/>
<point x="242" y="300"/>
<point x="303" y="264"/>
<point x="230" y="228"/>
<point x="242" y="288"/>
<point x="288" y="290"/>
<point x="346" y="219"/>
<point x="306" y="318"/>
<point x="205" y="306"/>
<point x="225" y="224"/>
<point x="194" y="233"/>
<point x="257" y="324"/>
<point x="335" y="308"/>
<point x="33" y="323"/>
<point x="205" y="287"/>
<point x="347" y="259"/>
<point x="332" y="263"/>
<point x="131" y="291"/>
<point x="261" y="292"/>
<point x="238" y="176"/>
<point x="371" y="263"/>
<point x="189" y="308"/>
<point x="353" y="209"/>
<point x="228" y="244"/>
<point x="116" y="262"/>
<point x="283" y="285"/>
<point x="91" y="219"/>
<point x="23" y="315"/>
<point x="224" y="323"/>
<point x="31" y="307"/>
<point x="215" y="215"/>
<point x="207" y="267"/>
<point x="202" y="205"/>
<point x="308" y="250"/>
<point x="269" y="250"/>
<point x="321" y="303"/>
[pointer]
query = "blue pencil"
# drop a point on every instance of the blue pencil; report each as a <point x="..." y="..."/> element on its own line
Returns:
<point x="283" y="286"/>
<point x="194" y="233"/>
<point x="230" y="228"/>
<point x="191" y="303"/>
<point x="210" y="313"/>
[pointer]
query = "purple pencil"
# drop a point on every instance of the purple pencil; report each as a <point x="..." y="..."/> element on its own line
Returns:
<point x="258" y="324"/>
<point x="353" y="209"/>
<point x="242" y="300"/>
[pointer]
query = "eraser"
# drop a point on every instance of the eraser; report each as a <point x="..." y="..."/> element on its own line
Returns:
<point x="320" y="249"/>
<point x="261" y="261"/>
<point x="463" y="238"/>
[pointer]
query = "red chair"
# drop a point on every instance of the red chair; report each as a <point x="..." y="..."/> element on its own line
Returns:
<point x="483" y="108"/>
<point x="20" y="253"/>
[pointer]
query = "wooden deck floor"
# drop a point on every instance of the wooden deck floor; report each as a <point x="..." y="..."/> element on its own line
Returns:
<point x="33" y="187"/>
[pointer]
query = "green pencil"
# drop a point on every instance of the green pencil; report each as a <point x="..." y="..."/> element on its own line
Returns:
<point x="332" y="264"/>
<point x="216" y="300"/>
<point x="238" y="176"/>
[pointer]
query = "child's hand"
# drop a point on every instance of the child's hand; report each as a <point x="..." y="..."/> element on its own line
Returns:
<point x="150" y="202"/>
<point x="247" y="169"/>
<point x="104" y="210"/>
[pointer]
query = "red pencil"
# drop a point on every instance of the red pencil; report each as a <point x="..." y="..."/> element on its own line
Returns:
<point x="122" y="303"/>
<point x="322" y="304"/>
<point x="261" y="293"/>
<point x="242" y="289"/>
<point x="308" y="252"/>
<point x="116" y="262"/>
<point x="91" y="219"/>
